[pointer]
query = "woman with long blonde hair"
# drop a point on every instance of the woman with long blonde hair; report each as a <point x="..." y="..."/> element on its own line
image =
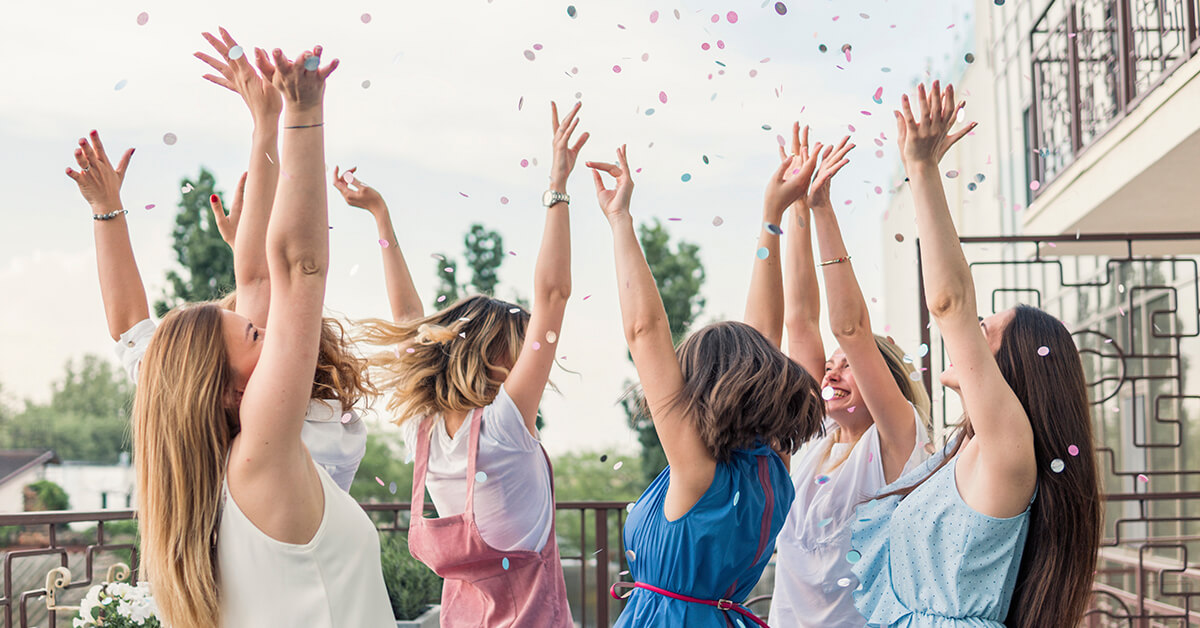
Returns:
<point x="239" y="527"/>
<point x="465" y="384"/>
<point x="876" y="409"/>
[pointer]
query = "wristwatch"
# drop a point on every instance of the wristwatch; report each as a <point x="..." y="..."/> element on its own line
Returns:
<point x="551" y="197"/>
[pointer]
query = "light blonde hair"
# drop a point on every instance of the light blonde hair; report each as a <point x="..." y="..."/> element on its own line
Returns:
<point x="901" y="366"/>
<point x="341" y="374"/>
<point x="447" y="361"/>
<point x="184" y="419"/>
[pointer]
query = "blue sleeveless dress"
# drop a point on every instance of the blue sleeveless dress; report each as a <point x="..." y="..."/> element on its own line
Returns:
<point x="717" y="550"/>
<point x="931" y="560"/>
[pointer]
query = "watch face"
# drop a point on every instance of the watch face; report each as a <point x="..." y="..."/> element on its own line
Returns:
<point x="548" y="198"/>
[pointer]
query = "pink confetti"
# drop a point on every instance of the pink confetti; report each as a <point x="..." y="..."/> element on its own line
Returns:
<point x="520" y="103"/>
<point x="347" y="417"/>
<point x="379" y="480"/>
<point x="865" y="112"/>
<point x="721" y="44"/>
<point x="705" y="46"/>
<point x="536" y="345"/>
<point x="1035" y="185"/>
<point x="653" y="16"/>
<point x="674" y="219"/>
<point x="1142" y="478"/>
<point x="524" y="163"/>
<point x="617" y="69"/>
<point x="716" y="18"/>
<point x="142" y="18"/>
<point x="587" y="297"/>
<point x="732" y="17"/>
<point x="150" y="206"/>
<point x="621" y="26"/>
<point x="366" y="18"/>
<point x="383" y="243"/>
<point x="753" y="73"/>
<point x="645" y="56"/>
<point x="537" y="46"/>
<point x="847" y="51"/>
<point x="662" y="97"/>
<point x="504" y="200"/>
<point x="1073" y="450"/>
<point x="463" y="194"/>
<point x="878" y="97"/>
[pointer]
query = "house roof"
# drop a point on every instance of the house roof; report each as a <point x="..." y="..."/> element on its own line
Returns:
<point x="14" y="462"/>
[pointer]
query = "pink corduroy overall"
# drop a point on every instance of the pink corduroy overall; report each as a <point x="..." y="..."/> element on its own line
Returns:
<point x="484" y="586"/>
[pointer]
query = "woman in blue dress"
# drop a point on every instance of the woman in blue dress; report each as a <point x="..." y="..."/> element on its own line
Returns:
<point x="726" y="405"/>
<point x="1002" y="527"/>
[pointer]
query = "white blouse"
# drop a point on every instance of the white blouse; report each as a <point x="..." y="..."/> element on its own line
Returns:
<point x="813" y="582"/>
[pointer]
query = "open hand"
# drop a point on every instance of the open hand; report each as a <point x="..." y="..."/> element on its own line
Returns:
<point x="832" y="161"/>
<point x="236" y="74"/>
<point x="928" y="139"/>
<point x="356" y="193"/>
<point x="99" y="182"/>
<point x="789" y="183"/>
<point x="564" y="155"/>
<point x="613" y="202"/>
<point x="302" y="82"/>
<point x="227" y="225"/>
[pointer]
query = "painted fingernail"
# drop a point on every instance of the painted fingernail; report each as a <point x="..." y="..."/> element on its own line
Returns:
<point x="213" y="198"/>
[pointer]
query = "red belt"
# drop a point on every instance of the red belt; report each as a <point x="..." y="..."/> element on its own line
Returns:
<point x="724" y="605"/>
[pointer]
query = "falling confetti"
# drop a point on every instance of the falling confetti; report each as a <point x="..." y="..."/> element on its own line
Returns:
<point x="915" y="376"/>
<point x="571" y="10"/>
<point x="899" y="237"/>
<point x="529" y="55"/>
<point x="630" y="553"/>
<point x="150" y="206"/>
<point x="969" y="58"/>
<point x="617" y="69"/>
<point x="686" y="177"/>
<point x="717" y="221"/>
<point x="853" y="556"/>
<point x="392" y="488"/>
<point x="923" y="350"/>
<point x="843" y="582"/>
<point x="617" y="467"/>
<point x="662" y="97"/>
<point x="236" y="53"/>
<point x="142" y="18"/>
<point x="504" y="563"/>
<point x="952" y="174"/>
<point x="736" y="497"/>
<point x="536" y="345"/>
<point x="347" y="417"/>
<point x="312" y="63"/>
<point x="480" y="476"/>
<point x="366" y="84"/>
<point x="827" y="393"/>
<point x="732" y="17"/>
<point x="1057" y="465"/>
<point x="878" y="97"/>
<point x="120" y="85"/>
<point x="1035" y="185"/>
<point x="1073" y="450"/>
<point x="169" y="139"/>
<point x="763" y="253"/>
<point x="1043" y="351"/>
<point x="824" y="522"/>
<point x="366" y="18"/>
<point x="1142" y="478"/>
<point x="379" y="480"/>
<point x="604" y="458"/>
<point x="781" y="8"/>
<point x="653" y="16"/>
<point x="822" y="479"/>
<point x="551" y="337"/>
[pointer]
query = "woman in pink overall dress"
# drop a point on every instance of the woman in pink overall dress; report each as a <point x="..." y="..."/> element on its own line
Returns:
<point x="484" y="586"/>
<point x="465" y="384"/>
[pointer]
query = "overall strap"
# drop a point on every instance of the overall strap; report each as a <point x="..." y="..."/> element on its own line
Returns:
<point x="472" y="457"/>
<point x="421" y="466"/>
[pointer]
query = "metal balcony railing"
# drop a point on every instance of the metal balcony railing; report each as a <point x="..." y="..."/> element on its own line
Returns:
<point x="1093" y="62"/>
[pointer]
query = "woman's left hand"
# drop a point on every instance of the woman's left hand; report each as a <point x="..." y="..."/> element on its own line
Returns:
<point x="565" y="155"/>
<point x="99" y="182"/>
<point x="237" y="75"/>
<point x="831" y="162"/>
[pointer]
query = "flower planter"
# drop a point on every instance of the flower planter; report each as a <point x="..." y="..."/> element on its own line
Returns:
<point x="431" y="618"/>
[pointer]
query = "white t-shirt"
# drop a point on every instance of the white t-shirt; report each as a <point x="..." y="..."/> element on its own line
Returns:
<point x="335" y="445"/>
<point x="813" y="582"/>
<point x="514" y="508"/>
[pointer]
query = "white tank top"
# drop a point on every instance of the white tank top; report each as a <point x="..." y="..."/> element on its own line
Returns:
<point x="333" y="581"/>
<point x="813" y="583"/>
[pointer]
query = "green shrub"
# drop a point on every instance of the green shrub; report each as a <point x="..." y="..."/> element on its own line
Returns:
<point x="50" y="496"/>
<point x="411" y="586"/>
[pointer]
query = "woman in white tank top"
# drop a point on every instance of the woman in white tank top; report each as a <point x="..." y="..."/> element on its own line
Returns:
<point x="876" y="426"/>
<point x="227" y="491"/>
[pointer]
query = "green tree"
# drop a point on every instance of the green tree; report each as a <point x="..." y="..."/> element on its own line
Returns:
<point x="679" y="275"/>
<point x="483" y="250"/>
<point x="383" y="459"/>
<point x="206" y="260"/>
<point x="47" y="496"/>
<point x="87" y="417"/>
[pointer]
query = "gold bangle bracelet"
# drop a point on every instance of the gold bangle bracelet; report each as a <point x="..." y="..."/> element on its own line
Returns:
<point x="836" y="260"/>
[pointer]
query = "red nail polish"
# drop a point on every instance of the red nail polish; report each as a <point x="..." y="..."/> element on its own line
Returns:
<point x="213" y="198"/>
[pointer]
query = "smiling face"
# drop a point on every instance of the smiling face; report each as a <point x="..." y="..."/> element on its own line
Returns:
<point x="243" y="345"/>
<point x="839" y="380"/>
<point x="993" y="330"/>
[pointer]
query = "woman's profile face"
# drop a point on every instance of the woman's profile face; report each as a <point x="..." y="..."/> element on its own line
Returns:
<point x="993" y="331"/>
<point x="243" y="345"/>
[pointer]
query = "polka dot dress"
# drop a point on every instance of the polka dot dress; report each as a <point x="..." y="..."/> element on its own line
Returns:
<point x="932" y="560"/>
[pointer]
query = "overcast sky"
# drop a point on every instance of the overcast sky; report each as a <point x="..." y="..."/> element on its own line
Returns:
<point x="439" y="131"/>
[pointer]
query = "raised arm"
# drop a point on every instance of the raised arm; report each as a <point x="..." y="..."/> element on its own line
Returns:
<point x="801" y="294"/>
<point x="551" y="279"/>
<point x="402" y="292"/>
<point x="851" y="324"/>
<point x="648" y="333"/>
<point x="297" y="252"/>
<point x="764" y="304"/>
<point x="236" y="74"/>
<point x="1001" y="426"/>
<point x="121" y="286"/>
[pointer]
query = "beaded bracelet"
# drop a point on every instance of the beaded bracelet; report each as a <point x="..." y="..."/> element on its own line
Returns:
<point x="837" y="260"/>
<point x="110" y="215"/>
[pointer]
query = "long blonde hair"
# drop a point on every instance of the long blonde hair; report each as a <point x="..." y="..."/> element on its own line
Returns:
<point x="341" y="375"/>
<point x="902" y="368"/>
<point x="447" y="361"/>
<point x="184" y="419"/>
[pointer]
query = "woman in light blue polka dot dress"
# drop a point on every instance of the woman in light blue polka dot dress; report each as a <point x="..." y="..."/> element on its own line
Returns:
<point x="1002" y="527"/>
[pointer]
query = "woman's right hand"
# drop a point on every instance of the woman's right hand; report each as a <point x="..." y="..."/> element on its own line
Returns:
<point x="99" y="182"/>
<point x="361" y="195"/>
<point x="926" y="141"/>
<point x="227" y="224"/>
<point x="237" y="75"/>
<point x="302" y="82"/>
<point x="789" y="183"/>
<point x="614" y="202"/>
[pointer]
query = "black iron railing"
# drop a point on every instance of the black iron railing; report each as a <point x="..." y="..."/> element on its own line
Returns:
<point x="1094" y="61"/>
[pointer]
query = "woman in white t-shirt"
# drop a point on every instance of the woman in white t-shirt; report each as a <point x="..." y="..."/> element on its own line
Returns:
<point x="877" y="411"/>
<point x="465" y="386"/>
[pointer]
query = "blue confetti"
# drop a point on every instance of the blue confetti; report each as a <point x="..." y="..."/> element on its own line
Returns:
<point x="312" y="63"/>
<point x="763" y="253"/>
<point x="504" y="563"/>
<point x="686" y="177"/>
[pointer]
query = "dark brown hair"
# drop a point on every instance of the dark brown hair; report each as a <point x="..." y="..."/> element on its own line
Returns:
<point x="741" y="390"/>
<point x="1059" y="560"/>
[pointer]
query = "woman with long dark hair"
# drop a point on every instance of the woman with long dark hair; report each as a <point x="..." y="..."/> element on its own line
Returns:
<point x="1002" y="526"/>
